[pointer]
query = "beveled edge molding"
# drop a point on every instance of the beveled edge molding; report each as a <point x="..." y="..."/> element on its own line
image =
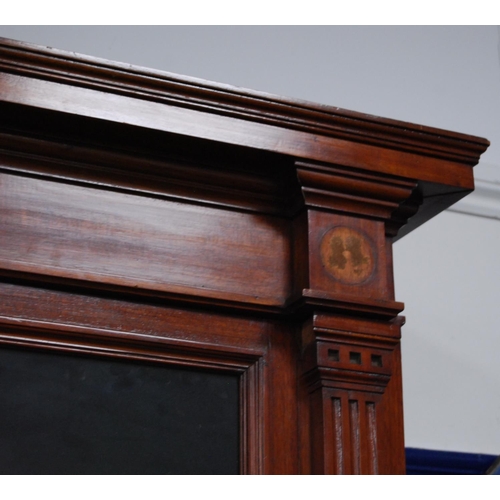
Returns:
<point x="156" y="177"/>
<point x="352" y="305"/>
<point x="123" y="344"/>
<point x="181" y="296"/>
<point x="248" y="364"/>
<point x="484" y="201"/>
<point x="90" y="72"/>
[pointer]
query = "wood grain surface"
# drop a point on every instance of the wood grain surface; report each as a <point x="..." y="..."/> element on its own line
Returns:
<point x="167" y="220"/>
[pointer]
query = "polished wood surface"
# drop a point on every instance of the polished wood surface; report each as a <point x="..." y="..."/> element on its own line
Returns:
<point x="147" y="216"/>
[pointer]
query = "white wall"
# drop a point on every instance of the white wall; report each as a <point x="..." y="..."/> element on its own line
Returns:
<point x="448" y="274"/>
<point x="446" y="271"/>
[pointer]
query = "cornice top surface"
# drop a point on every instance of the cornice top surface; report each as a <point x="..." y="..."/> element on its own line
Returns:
<point x="44" y="63"/>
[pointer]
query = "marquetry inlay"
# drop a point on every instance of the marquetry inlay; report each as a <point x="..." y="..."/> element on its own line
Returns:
<point x="347" y="255"/>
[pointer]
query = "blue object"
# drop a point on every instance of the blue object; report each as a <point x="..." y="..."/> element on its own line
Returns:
<point x="432" y="462"/>
<point x="494" y="468"/>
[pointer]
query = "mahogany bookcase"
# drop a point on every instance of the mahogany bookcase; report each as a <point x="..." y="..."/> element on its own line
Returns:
<point x="169" y="221"/>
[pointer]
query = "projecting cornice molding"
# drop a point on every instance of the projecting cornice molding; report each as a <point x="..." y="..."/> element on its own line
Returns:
<point x="83" y="101"/>
<point x="60" y="67"/>
<point x="483" y="202"/>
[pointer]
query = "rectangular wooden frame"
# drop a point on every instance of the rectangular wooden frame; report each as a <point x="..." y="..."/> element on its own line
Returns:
<point x="170" y="349"/>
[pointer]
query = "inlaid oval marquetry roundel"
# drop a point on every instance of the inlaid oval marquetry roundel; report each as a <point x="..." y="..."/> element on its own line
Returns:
<point x="347" y="254"/>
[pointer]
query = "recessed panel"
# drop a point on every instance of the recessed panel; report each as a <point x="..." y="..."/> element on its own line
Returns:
<point x="66" y="414"/>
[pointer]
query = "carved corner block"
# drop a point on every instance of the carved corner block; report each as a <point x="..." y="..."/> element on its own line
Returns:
<point x="347" y="256"/>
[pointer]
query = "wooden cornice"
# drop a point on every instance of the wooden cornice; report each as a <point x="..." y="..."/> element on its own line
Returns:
<point x="48" y="64"/>
<point x="251" y="185"/>
<point x="153" y="217"/>
<point x="390" y="199"/>
<point x="143" y="112"/>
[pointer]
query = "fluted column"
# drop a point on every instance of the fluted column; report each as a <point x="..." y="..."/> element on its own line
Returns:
<point x="351" y="373"/>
